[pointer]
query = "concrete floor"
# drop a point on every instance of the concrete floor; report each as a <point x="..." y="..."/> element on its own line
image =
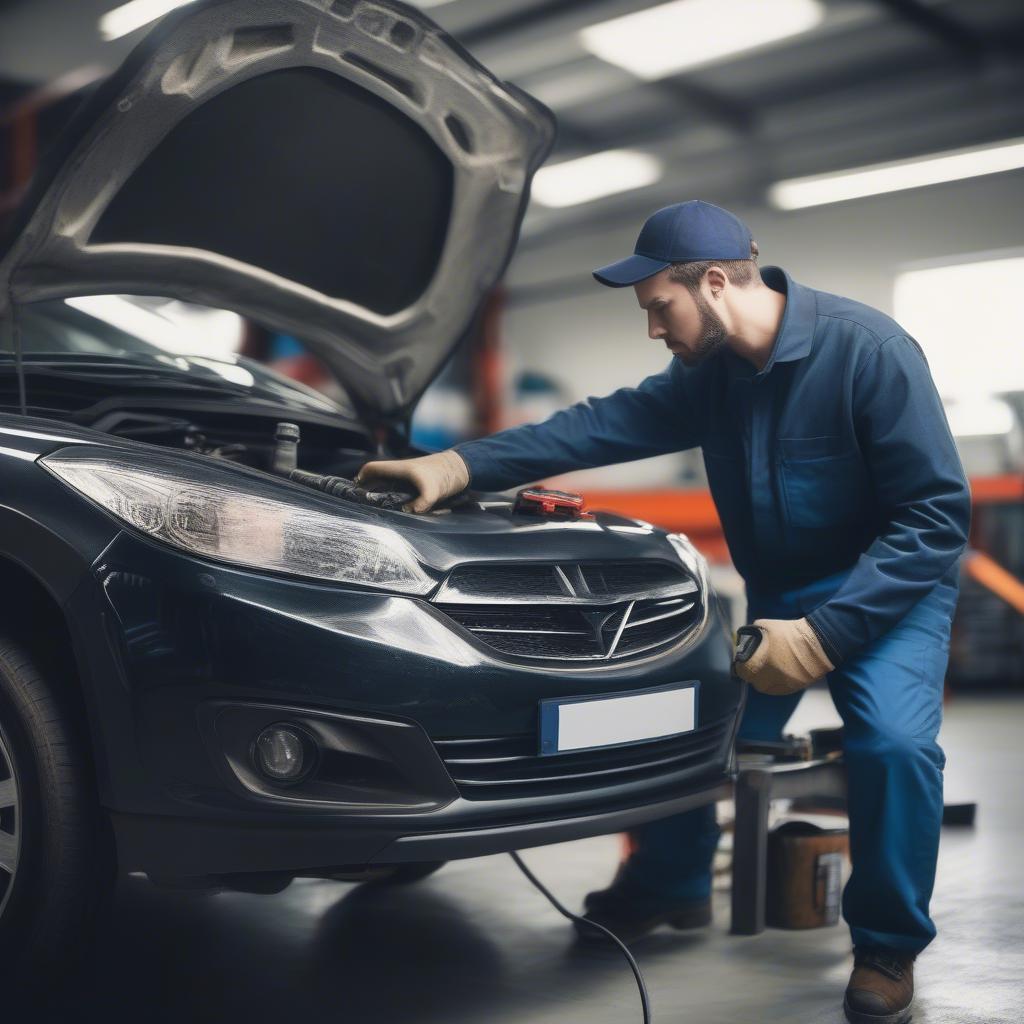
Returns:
<point x="476" y="942"/>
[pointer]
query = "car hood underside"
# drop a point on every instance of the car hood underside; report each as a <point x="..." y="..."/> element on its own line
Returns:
<point x="340" y="171"/>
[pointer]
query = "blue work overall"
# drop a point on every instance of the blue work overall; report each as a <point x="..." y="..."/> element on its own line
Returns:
<point x="889" y="697"/>
<point x="842" y="500"/>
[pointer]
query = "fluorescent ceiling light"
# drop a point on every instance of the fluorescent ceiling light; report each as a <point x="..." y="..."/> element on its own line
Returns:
<point x="665" y="39"/>
<point x="128" y="17"/>
<point x="796" y="193"/>
<point x="591" y="177"/>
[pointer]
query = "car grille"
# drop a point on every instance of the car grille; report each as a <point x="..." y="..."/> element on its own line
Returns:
<point x="493" y="768"/>
<point x="618" y="581"/>
<point x="576" y="612"/>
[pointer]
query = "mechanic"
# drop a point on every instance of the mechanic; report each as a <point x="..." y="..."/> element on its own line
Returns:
<point x="845" y="508"/>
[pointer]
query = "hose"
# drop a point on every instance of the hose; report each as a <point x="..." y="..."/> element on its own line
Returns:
<point x="644" y="999"/>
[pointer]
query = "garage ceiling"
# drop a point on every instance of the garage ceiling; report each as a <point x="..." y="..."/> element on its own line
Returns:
<point x="875" y="80"/>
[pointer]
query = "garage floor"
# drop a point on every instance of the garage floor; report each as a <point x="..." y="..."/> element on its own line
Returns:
<point x="476" y="942"/>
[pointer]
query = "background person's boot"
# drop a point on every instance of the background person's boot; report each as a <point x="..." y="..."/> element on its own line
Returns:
<point x="630" y="911"/>
<point x="881" y="988"/>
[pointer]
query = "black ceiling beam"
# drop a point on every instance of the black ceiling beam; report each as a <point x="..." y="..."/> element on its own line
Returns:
<point x="968" y="44"/>
<point x="844" y="80"/>
<point x="574" y="138"/>
<point x="738" y="117"/>
<point x="519" y="18"/>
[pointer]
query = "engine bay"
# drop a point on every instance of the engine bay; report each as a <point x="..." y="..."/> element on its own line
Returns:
<point x="270" y="446"/>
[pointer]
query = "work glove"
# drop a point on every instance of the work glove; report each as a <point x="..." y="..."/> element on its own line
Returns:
<point x="789" y="658"/>
<point x="433" y="478"/>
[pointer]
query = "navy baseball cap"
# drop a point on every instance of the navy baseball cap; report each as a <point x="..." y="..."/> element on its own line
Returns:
<point x="680" y="233"/>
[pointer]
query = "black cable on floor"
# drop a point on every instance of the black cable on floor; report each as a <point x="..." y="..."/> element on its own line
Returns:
<point x="644" y="1001"/>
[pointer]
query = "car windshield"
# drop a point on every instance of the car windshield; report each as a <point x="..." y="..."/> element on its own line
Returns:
<point x="131" y="339"/>
<point x="57" y="328"/>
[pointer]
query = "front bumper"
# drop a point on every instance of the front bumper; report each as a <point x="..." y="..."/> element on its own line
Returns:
<point x="176" y="847"/>
<point x="168" y="642"/>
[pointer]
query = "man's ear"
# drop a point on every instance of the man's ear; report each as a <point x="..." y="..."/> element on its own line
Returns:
<point x="716" y="280"/>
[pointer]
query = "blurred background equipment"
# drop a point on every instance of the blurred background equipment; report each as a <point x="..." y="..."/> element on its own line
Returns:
<point x="805" y="874"/>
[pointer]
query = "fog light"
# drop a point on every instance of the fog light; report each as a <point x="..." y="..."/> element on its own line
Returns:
<point x="283" y="753"/>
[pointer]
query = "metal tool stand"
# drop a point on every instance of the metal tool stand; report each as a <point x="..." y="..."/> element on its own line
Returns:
<point x="756" y="786"/>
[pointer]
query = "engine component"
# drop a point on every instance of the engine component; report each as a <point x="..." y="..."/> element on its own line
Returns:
<point x="342" y="487"/>
<point x="286" y="449"/>
<point x="285" y="463"/>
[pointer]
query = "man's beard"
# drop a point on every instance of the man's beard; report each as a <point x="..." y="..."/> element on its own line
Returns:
<point x="712" y="333"/>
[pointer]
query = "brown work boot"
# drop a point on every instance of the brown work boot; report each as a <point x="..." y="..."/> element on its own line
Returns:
<point x="881" y="987"/>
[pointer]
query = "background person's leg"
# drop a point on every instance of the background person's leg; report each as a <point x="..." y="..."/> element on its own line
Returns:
<point x="673" y="856"/>
<point x="890" y="700"/>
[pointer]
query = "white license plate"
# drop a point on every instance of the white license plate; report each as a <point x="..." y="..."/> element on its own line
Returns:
<point x="581" y="723"/>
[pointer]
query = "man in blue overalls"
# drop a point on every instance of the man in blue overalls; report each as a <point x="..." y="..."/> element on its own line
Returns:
<point x="845" y="508"/>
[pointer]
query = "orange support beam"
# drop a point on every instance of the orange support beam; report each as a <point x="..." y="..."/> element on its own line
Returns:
<point x="486" y="359"/>
<point x="19" y="130"/>
<point x="688" y="511"/>
<point x="693" y="512"/>
<point x="992" y="575"/>
<point x="987" y="490"/>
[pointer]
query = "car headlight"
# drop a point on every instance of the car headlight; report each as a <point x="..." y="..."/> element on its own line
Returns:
<point x="230" y="514"/>
<point x="695" y="563"/>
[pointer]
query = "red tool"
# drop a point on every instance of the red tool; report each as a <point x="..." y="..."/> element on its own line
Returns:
<point x="543" y="502"/>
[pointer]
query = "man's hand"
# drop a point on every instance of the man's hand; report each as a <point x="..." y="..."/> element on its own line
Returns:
<point x="789" y="658"/>
<point x="433" y="477"/>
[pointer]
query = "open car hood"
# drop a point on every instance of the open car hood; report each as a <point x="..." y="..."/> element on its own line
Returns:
<point x="339" y="170"/>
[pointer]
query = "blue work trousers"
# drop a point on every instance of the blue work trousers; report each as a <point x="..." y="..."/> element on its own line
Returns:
<point x="889" y="696"/>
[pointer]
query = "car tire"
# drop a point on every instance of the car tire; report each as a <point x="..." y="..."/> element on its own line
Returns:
<point x="403" y="874"/>
<point x="58" y="858"/>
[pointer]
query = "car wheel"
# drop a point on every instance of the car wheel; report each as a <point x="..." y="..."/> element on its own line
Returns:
<point x="56" y="858"/>
<point x="402" y="874"/>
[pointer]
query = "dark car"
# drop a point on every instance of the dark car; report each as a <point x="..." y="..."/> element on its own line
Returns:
<point x="220" y="663"/>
